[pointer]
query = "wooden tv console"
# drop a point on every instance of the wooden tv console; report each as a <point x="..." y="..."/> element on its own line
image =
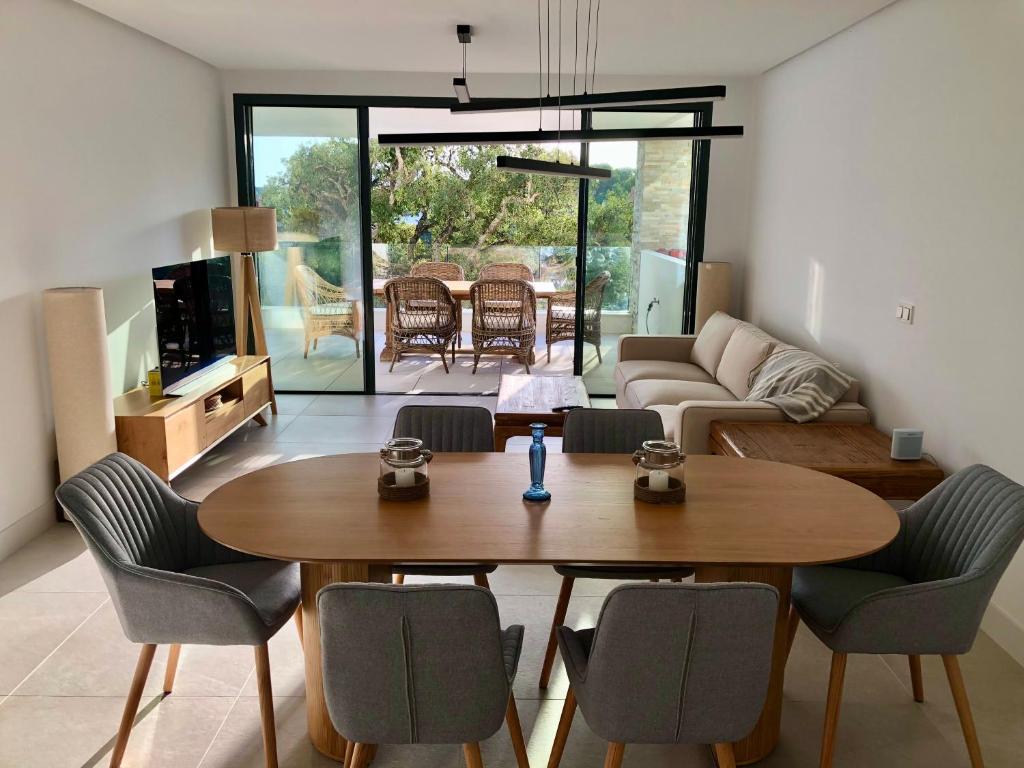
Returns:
<point x="169" y="433"/>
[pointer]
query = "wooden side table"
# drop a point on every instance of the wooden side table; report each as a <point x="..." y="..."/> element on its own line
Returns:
<point x="526" y="398"/>
<point x="855" y="452"/>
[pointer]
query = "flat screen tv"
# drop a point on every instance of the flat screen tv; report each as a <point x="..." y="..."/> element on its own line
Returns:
<point x="195" y="320"/>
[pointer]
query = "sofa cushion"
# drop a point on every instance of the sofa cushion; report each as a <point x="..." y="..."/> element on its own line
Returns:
<point x="634" y="370"/>
<point x="711" y="341"/>
<point x="747" y="348"/>
<point x="648" y="392"/>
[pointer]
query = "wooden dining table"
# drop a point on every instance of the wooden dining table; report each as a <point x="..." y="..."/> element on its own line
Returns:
<point x="743" y="520"/>
<point x="460" y="292"/>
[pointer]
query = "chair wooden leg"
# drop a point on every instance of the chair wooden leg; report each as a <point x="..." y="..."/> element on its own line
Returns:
<point x="480" y="579"/>
<point x="131" y="707"/>
<point x="266" y="705"/>
<point x="350" y="748"/>
<point x="476" y="362"/>
<point x="560" y="610"/>
<point x="398" y="578"/>
<point x="394" y="359"/>
<point x="724" y="755"/>
<point x="916" y="679"/>
<point x="564" y="726"/>
<point x="549" y="353"/>
<point x="361" y="756"/>
<point x="515" y="730"/>
<point x="172" y="668"/>
<point x="835" y="697"/>
<point x="613" y="759"/>
<point x="598" y="348"/>
<point x="444" y="358"/>
<point x="791" y="629"/>
<point x="473" y="756"/>
<point x="305" y="352"/>
<point x="298" y="625"/>
<point x="963" y="709"/>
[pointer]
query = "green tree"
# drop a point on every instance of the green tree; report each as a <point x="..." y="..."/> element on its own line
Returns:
<point x="443" y="202"/>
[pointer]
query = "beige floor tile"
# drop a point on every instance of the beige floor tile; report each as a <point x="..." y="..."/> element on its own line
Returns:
<point x="56" y="561"/>
<point x="252" y="432"/>
<point x="97" y="660"/>
<point x="331" y="430"/>
<point x="293" y="405"/>
<point x="240" y="743"/>
<point x="58" y="731"/>
<point x="33" y="625"/>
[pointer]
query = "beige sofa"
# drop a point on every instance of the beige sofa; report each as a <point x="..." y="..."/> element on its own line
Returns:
<point x="694" y="380"/>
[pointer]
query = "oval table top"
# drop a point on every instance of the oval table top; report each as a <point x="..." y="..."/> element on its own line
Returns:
<point x="737" y="512"/>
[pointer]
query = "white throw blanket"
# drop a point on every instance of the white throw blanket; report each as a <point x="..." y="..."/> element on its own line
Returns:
<point x="800" y="384"/>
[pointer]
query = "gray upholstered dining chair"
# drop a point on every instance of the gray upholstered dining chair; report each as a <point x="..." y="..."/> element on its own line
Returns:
<point x="671" y="664"/>
<point x="446" y="428"/>
<point x="604" y="430"/>
<point x="172" y="584"/>
<point x="421" y="664"/>
<point x="925" y="593"/>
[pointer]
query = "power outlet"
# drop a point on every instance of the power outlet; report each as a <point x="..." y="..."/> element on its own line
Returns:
<point x="905" y="313"/>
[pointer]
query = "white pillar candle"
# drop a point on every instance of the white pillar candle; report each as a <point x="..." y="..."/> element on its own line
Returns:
<point x="658" y="480"/>
<point x="405" y="477"/>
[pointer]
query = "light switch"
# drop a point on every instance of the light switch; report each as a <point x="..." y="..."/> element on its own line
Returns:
<point x="905" y="313"/>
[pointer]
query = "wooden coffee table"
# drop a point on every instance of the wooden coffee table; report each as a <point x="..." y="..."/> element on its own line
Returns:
<point x="855" y="452"/>
<point x="524" y="399"/>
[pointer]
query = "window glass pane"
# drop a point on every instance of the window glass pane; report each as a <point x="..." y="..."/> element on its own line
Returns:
<point x="637" y="234"/>
<point x="306" y="166"/>
<point x="452" y="205"/>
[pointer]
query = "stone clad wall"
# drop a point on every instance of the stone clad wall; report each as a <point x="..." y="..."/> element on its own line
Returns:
<point x="661" y="206"/>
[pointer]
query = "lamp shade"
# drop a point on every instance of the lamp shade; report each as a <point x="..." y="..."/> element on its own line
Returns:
<point x="244" y="229"/>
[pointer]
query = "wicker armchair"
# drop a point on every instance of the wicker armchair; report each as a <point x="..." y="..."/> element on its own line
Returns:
<point x="561" y="325"/>
<point x="421" y="315"/>
<point x="326" y="309"/>
<point x="504" y="319"/>
<point x="443" y="270"/>
<point x="506" y="270"/>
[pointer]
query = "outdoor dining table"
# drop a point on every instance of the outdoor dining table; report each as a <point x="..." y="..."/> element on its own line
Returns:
<point x="743" y="520"/>
<point x="460" y="292"/>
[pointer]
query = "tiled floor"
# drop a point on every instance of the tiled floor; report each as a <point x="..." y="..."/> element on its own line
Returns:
<point x="333" y="366"/>
<point x="65" y="665"/>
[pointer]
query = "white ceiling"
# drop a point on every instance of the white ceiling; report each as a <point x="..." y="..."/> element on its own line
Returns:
<point x="644" y="37"/>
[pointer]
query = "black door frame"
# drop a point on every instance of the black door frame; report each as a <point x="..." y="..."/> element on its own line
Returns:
<point x="243" y="104"/>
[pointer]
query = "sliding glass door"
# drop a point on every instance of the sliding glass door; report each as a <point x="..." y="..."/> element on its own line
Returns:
<point x="305" y="163"/>
<point x="638" y="240"/>
<point x="622" y="252"/>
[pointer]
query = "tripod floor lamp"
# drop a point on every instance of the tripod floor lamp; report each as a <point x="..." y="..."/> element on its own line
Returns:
<point x="247" y="230"/>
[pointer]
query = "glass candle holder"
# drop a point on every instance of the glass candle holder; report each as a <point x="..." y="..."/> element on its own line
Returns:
<point x="403" y="467"/>
<point x="660" y="474"/>
<point x="538" y="459"/>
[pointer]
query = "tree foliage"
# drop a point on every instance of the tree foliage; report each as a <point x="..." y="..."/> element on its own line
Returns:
<point x="445" y="202"/>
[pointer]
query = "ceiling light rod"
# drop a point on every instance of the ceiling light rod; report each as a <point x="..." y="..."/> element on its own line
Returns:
<point x="465" y="34"/>
<point x="597" y="100"/>
<point x="548" y="137"/>
<point x="550" y="168"/>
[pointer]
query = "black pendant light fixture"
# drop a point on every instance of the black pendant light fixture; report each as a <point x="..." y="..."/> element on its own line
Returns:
<point x="514" y="164"/>
<point x="588" y="99"/>
<point x="464" y="32"/>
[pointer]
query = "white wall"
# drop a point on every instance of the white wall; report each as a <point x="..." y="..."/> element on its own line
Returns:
<point x="890" y="167"/>
<point x="729" y="185"/>
<point x="111" y="150"/>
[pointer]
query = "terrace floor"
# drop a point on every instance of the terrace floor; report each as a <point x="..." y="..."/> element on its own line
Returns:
<point x="65" y="665"/>
<point x="333" y="366"/>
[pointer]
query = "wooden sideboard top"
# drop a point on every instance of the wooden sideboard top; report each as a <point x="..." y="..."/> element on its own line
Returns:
<point x="138" y="402"/>
<point x="856" y="452"/>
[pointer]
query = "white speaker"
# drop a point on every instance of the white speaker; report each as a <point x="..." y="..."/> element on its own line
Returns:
<point x="907" y="444"/>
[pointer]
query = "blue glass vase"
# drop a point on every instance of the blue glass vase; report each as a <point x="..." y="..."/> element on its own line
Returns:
<point x="538" y="456"/>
